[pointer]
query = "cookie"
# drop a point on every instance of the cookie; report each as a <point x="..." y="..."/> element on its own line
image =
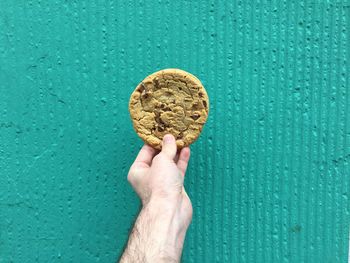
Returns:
<point x="169" y="101"/>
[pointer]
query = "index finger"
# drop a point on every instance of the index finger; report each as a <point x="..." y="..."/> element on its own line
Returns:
<point x="184" y="157"/>
<point x="146" y="155"/>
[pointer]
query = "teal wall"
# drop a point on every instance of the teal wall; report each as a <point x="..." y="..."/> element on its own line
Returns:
<point x="269" y="176"/>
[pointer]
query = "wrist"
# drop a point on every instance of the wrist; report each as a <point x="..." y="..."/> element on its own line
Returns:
<point x="167" y="230"/>
<point x="165" y="216"/>
<point x="165" y="206"/>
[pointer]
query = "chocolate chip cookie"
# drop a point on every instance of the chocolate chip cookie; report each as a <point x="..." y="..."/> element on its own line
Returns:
<point x="169" y="101"/>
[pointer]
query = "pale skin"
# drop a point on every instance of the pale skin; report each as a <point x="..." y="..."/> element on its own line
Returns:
<point x="160" y="228"/>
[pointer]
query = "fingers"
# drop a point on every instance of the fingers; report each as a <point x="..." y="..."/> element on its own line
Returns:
<point x="169" y="146"/>
<point x="176" y="158"/>
<point x="183" y="160"/>
<point x="145" y="155"/>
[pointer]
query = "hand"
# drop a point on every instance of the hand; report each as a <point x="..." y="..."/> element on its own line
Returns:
<point x="166" y="213"/>
<point x="160" y="177"/>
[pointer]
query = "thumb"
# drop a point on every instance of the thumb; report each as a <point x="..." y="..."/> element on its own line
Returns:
<point x="169" y="146"/>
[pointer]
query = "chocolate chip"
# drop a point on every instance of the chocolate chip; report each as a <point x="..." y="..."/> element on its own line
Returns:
<point x="156" y="84"/>
<point x="195" y="106"/>
<point x="204" y="103"/>
<point x="200" y="94"/>
<point x="195" y="116"/>
<point x="158" y="119"/>
<point x="141" y="88"/>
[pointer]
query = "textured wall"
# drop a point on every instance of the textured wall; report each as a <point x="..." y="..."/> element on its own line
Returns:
<point x="269" y="177"/>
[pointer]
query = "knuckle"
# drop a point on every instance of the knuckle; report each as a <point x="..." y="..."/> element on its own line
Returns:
<point x="131" y="177"/>
<point x="158" y="157"/>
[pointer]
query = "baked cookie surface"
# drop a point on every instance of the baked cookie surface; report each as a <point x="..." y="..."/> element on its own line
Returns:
<point x="169" y="101"/>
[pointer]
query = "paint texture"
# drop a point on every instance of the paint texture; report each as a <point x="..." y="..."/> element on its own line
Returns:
<point x="269" y="176"/>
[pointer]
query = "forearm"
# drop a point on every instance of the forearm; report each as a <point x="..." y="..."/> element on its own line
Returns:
<point x="157" y="236"/>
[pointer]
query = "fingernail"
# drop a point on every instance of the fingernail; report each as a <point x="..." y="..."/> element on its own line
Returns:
<point x="168" y="138"/>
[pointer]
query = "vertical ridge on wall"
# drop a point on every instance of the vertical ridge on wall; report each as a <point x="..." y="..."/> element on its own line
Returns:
<point x="329" y="125"/>
<point x="323" y="109"/>
<point x="345" y="84"/>
<point x="304" y="105"/>
<point x="335" y="125"/>
<point x="258" y="244"/>
<point x="212" y="183"/>
<point x="227" y="144"/>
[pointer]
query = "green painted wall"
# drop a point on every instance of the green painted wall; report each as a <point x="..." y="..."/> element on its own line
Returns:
<point x="269" y="176"/>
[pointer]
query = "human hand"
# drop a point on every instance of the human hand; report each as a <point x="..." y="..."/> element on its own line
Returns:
<point x="166" y="213"/>
<point x="159" y="177"/>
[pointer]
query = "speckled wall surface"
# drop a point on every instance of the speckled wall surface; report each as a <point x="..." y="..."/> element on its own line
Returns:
<point x="269" y="176"/>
